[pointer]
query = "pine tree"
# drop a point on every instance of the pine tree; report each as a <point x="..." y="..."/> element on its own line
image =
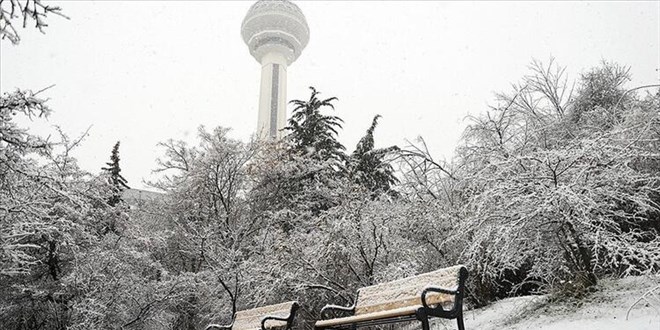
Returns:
<point x="115" y="178"/>
<point x="312" y="133"/>
<point x="311" y="163"/>
<point x="367" y="166"/>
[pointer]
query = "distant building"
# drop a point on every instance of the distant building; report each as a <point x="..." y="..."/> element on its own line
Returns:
<point x="135" y="198"/>
<point x="275" y="32"/>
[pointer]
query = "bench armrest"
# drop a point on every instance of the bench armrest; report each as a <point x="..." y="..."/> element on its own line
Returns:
<point x="288" y="319"/>
<point x="274" y="318"/>
<point x="438" y="290"/>
<point x="217" y="326"/>
<point x="334" y="308"/>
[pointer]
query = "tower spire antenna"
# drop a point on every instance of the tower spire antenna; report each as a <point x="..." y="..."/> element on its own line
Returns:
<point x="275" y="32"/>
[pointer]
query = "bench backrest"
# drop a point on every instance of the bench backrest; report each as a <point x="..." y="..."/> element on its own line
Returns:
<point x="251" y="318"/>
<point x="407" y="291"/>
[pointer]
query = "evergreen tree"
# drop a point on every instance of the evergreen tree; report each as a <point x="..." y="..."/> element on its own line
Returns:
<point x="301" y="176"/>
<point x="312" y="133"/>
<point x="115" y="178"/>
<point x="367" y="166"/>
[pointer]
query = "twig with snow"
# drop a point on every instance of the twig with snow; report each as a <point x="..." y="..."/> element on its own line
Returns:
<point x="650" y="292"/>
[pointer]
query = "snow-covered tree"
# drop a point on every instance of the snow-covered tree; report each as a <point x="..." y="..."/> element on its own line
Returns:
<point x="211" y="228"/>
<point x="313" y="133"/>
<point x="50" y="212"/>
<point x="115" y="178"/>
<point x="57" y="269"/>
<point x="24" y="12"/>
<point x="553" y="202"/>
<point x="368" y="166"/>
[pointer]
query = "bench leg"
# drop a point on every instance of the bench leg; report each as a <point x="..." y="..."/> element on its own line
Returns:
<point x="459" y="321"/>
<point x="422" y="317"/>
<point x="425" y="324"/>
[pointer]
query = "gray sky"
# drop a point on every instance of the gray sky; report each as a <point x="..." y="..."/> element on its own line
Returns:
<point x="146" y="71"/>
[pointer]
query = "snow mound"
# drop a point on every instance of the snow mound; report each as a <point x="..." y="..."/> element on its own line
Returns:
<point x="630" y="303"/>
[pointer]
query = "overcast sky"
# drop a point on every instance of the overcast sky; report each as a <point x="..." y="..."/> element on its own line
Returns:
<point x="146" y="71"/>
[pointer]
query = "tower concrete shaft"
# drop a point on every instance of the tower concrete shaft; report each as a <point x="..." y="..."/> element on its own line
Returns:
<point x="275" y="32"/>
<point x="272" y="97"/>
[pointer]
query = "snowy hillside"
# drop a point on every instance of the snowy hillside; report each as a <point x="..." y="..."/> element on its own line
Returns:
<point x="603" y="310"/>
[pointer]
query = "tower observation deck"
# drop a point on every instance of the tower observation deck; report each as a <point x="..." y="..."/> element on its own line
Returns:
<point x="275" y="32"/>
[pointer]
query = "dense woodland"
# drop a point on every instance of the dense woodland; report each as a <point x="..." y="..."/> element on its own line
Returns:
<point x="554" y="187"/>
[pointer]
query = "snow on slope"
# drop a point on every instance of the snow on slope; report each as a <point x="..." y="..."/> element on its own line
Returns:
<point x="605" y="309"/>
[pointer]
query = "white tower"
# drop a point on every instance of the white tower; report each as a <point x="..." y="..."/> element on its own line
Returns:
<point x="276" y="32"/>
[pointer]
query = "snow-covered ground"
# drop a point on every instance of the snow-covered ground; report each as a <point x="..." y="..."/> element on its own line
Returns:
<point x="605" y="309"/>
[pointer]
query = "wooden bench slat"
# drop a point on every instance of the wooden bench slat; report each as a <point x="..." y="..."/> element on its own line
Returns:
<point x="403" y="311"/>
<point x="256" y="324"/>
<point x="401" y="299"/>
<point x="407" y="291"/>
<point x="251" y="318"/>
<point x="432" y="299"/>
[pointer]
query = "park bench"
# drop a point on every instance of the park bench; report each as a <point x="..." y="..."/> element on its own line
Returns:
<point x="278" y="316"/>
<point x="435" y="294"/>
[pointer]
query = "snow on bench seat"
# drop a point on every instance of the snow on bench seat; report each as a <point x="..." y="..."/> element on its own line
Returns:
<point x="403" y="298"/>
<point x="408" y="291"/>
<point x="251" y="319"/>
